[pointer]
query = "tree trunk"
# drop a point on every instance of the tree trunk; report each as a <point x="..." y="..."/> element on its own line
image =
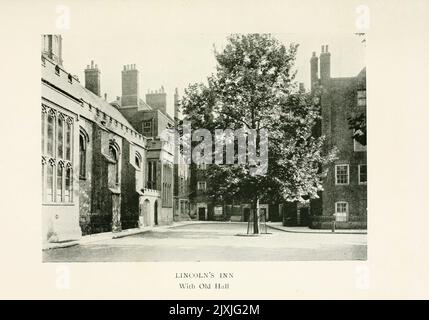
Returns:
<point x="256" y="216"/>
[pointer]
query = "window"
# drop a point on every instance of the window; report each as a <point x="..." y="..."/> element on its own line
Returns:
<point x="202" y="166"/>
<point x="147" y="128"/>
<point x="138" y="160"/>
<point x="113" y="154"/>
<point x="358" y="147"/>
<point x="83" y="138"/>
<point x="342" y="174"/>
<point x="341" y="211"/>
<point x="361" y="98"/>
<point x="167" y="179"/>
<point x="57" y="178"/>
<point x="362" y="174"/>
<point x="201" y="185"/>
<point x="151" y="182"/>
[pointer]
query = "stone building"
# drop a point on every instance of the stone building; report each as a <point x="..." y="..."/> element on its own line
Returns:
<point x="105" y="166"/>
<point x="344" y="195"/>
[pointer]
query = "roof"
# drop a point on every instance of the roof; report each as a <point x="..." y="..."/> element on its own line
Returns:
<point x="80" y="92"/>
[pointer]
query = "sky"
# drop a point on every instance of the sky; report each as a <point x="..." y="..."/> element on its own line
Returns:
<point x="177" y="60"/>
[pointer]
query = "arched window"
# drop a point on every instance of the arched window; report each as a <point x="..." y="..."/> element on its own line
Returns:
<point x="57" y="136"/>
<point x="83" y="140"/>
<point x="138" y="160"/>
<point x="113" y="153"/>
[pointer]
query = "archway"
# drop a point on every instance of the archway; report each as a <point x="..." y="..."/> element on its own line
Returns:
<point x="145" y="213"/>
<point x="155" y="213"/>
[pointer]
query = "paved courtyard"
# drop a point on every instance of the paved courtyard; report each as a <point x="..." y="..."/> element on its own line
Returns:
<point x="215" y="242"/>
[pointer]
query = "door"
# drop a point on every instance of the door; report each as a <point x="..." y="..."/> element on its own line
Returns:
<point x="263" y="214"/>
<point x="201" y="213"/>
<point x="304" y="216"/>
<point x="155" y="215"/>
<point x="246" y="213"/>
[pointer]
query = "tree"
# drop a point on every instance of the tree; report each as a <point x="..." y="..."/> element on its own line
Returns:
<point x="254" y="88"/>
<point x="357" y="123"/>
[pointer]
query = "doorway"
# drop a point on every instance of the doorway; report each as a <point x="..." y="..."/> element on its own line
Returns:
<point x="246" y="214"/>
<point x="201" y="213"/>
<point x="155" y="215"/>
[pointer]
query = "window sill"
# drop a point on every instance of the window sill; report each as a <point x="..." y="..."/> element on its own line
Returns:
<point x="60" y="204"/>
<point x="82" y="178"/>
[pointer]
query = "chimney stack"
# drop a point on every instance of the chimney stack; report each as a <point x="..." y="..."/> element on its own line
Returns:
<point x="314" y="66"/>
<point x="92" y="78"/>
<point x="177" y="112"/>
<point x="157" y="100"/>
<point x="52" y="47"/>
<point x="130" y="86"/>
<point x="325" y="64"/>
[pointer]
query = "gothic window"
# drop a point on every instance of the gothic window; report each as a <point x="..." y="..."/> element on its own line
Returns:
<point x="138" y="160"/>
<point x="60" y="136"/>
<point x="50" y="135"/>
<point x="68" y="184"/>
<point x="68" y="140"/>
<point x="83" y="139"/>
<point x="113" y="153"/>
<point x="60" y="187"/>
<point x="50" y="182"/>
<point x="56" y="156"/>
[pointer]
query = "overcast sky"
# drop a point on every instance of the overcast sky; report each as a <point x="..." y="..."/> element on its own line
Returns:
<point x="176" y="60"/>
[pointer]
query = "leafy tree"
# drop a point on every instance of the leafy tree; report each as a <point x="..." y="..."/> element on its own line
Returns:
<point x="254" y="88"/>
<point x="357" y="123"/>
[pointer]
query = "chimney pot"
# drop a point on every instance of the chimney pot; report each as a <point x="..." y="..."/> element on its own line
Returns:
<point x="326" y="48"/>
<point x="323" y="49"/>
<point x="92" y="63"/>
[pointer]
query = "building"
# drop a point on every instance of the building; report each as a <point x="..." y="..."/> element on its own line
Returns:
<point x="344" y="196"/>
<point x="105" y="166"/>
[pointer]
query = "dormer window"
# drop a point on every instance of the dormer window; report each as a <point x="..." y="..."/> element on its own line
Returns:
<point x="57" y="70"/>
<point x="70" y="78"/>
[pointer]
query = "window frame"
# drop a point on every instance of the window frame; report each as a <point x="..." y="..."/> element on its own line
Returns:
<point x="343" y="214"/>
<point x="83" y="136"/>
<point x="52" y="160"/>
<point x="359" y="175"/>
<point x="336" y="174"/>
<point x="202" y="182"/>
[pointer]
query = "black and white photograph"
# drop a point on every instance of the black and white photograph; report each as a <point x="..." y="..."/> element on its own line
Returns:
<point x="214" y="154"/>
<point x="235" y="147"/>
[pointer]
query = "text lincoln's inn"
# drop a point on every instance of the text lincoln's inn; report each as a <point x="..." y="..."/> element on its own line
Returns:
<point x="104" y="166"/>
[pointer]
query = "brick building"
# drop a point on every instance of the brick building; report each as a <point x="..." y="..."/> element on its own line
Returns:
<point x="344" y="196"/>
<point x="105" y="166"/>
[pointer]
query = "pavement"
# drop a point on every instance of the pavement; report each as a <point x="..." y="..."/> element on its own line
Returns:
<point x="279" y="226"/>
<point x="212" y="241"/>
